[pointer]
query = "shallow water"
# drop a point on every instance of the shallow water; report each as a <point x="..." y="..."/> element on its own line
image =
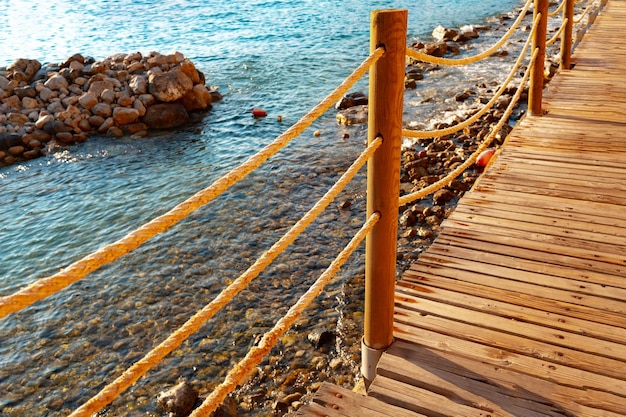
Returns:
<point x="57" y="353"/>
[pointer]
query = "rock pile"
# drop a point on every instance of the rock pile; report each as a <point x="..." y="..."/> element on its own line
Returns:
<point x="125" y="94"/>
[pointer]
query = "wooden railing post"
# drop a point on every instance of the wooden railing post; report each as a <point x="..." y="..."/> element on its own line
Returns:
<point x="535" y="91"/>
<point x="566" y="39"/>
<point x="386" y="101"/>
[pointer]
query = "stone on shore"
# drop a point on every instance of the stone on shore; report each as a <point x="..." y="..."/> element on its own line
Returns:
<point x="442" y="33"/>
<point x="351" y="100"/>
<point x="179" y="400"/>
<point x="169" y="86"/>
<point x="166" y="116"/>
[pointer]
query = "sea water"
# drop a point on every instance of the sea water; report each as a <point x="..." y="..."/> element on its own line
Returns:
<point x="281" y="55"/>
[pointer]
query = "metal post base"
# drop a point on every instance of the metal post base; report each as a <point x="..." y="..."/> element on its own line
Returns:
<point x="369" y="361"/>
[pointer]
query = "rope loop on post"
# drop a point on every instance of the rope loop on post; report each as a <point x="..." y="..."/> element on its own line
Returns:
<point x="460" y="126"/>
<point x="557" y="35"/>
<point x="444" y="182"/>
<point x="558" y="9"/>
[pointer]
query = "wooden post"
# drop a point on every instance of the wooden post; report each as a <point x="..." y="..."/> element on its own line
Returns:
<point x="535" y="91"/>
<point x="386" y="101"/>
<point x="566" y="37"/>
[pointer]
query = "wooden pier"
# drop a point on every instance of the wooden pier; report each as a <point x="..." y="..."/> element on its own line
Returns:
<point x="519" y="306"/>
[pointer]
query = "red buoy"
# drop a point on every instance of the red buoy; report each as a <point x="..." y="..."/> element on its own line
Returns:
<point x="484" y="157"/>
<point x="258" y="112"/>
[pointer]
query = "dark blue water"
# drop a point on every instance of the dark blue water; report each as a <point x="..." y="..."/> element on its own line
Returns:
<point x="282" y="55"/>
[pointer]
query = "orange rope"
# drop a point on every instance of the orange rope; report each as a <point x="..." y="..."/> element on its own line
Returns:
<point x="269" y="340"/>
<point x="111" y="252"/>
<point x="174" y="340"/>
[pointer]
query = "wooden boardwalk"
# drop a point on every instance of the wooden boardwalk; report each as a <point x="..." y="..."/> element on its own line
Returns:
<point x="519" y="306"/>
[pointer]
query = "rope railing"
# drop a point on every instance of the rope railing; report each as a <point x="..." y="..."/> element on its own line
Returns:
<point x="557" y="34"/>
<point x="580" y="17"/>
<point x="474" y="118"/>
<point x="111" y="252"/>
<point x="476" y="58"/>
<point x="558" y="9"/>
<point x="174" y="340"/>
<point x="269" y="339"/>
<point x="444" y="182"/>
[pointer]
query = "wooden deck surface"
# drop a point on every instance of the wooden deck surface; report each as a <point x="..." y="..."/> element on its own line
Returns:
<point x="519" y="306"/>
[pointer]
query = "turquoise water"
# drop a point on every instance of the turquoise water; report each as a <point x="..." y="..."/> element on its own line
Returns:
<point x="282" y="55"/>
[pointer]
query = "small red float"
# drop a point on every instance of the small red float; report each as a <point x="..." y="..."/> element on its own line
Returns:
<point x="484" y="157"/>
<point x="258" y="112"/>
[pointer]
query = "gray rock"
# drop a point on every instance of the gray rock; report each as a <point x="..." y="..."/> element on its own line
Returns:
<point x="102" y="110"/>
<point x="179" y="400"/>
<point x="97" y="87"/>
<point x="125" y="115"/>
<point x="27" y="91"/>
<point x="169" y="86"/>
<point x="56" y="82"/>
<point x="351" y="100"/>
<point x="88" y="100"/>
<point x="441" y="197"/>
<point x="442" y="33"/>
<point x="352" y="116"/>
<point x="319" y="338"/>
<point x="138" y="84"/>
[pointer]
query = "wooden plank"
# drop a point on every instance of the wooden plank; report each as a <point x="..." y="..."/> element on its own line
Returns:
<point x="554" y="205"/>
<point x="438" y="277"/>
<point x="574" y="190"/>
<point x="600" y="178"/>
<point x="499" y="277"/>
<point x="588" y="128"/>
<point x="503" y="339"/>
<point x="547" y="216"/>
<point x="512" y="310"/>
<point x="333" y="401"/>
<point x="528" y="272"/>
<point x="567" y="146"/>
<point x="486" y="186"/>
<point x="579" y="185"/>
<point x="483" y="216"/>
<point x="403" y="359"/>
<point x="523" y="337"/>
<point x="537" y="246"/>
<point x="525" y="365"/>
<point x="314" y="409"/>
<point x="442" y="378"/>
<point x="594" y="163"/>
<point x="421" y="400"/>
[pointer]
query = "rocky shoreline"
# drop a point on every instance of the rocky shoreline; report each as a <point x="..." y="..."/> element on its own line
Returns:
<point x="44" y="106"/>
<point x="423" y="163"/>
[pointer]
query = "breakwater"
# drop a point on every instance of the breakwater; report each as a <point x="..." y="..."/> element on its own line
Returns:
<point x="124" y="94"/>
